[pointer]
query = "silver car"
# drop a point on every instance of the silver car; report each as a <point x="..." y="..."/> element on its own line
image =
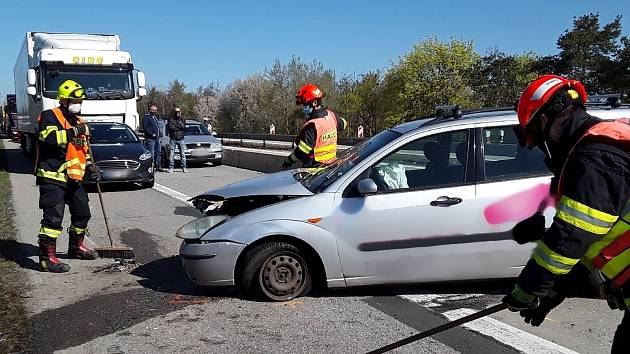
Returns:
<point x="426" y="201"/>
<point x="201" y="146"/>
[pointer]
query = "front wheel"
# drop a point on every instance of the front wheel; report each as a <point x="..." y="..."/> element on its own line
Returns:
<point x="276" y="271"/>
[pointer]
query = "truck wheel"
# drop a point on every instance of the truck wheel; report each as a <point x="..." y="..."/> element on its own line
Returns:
<point x="276" y="271"/>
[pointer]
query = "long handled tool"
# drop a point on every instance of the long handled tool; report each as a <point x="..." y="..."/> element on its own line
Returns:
<point x="108" y="252"/>
<point x="441" y="328"/>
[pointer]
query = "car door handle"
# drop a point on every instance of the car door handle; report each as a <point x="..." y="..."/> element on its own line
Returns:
<point x="446" y="201"/>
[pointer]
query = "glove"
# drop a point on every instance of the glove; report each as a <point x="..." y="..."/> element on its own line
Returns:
<point x="613" y="296"/>
<point x="288" y="162"/>
<point x="535" y="317"/>
<point x="519" y="300"/>
<point x="81" y="129"/>
<point x="530" y="229"/>
<point x="94" y="170"/>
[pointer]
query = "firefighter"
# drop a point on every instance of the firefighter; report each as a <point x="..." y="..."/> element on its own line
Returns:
<point x="316" y="144"/>
<point x="590" y="234"/>
<point x="62" y="159"/>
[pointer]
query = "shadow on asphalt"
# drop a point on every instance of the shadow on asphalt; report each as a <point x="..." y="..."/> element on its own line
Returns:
<point x="19" y="253"/>
<point x="166" y="275"/>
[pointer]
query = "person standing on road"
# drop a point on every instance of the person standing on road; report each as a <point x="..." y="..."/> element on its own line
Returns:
<point x="589" y="238"/>
<point x="176" y="127"/>
<point x="316" y="144"/>
<point x="152" y="133"/>
<point x="62" y="159"/>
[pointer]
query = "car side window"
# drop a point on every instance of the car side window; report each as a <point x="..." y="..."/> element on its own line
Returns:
<point x="434" y="161"/>
<point x="505" y="159"/>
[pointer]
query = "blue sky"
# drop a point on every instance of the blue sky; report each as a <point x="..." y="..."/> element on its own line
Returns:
<point x="209" y="41"/>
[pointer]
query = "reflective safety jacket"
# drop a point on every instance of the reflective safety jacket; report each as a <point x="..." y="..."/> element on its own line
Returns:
<point x="317" y="140"/>
<point x="60" y="154"/>
<point x="592" y="212"/>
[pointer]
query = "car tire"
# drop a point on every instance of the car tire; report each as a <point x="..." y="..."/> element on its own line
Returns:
<point x="276" y="271"/>
<point x="218" y="163"/>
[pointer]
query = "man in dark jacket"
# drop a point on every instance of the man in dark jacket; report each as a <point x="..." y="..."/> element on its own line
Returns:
<point x="176" y="127"/>
<point x="152" y="133"/>
<point x="590" y="233"/>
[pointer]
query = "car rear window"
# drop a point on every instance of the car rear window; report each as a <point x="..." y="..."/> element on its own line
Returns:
<point x="505" y="159"/>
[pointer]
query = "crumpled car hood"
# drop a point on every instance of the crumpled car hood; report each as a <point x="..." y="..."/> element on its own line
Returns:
<point x="241" y="197"/>
<point x="274" y="184"/>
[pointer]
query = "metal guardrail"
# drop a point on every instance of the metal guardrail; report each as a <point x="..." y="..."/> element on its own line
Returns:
<point x="277" y="137"/>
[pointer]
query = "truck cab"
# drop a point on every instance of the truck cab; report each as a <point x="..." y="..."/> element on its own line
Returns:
<point x="112" y="84"/>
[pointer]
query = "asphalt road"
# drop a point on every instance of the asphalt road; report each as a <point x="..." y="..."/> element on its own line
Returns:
<point x="99" y="307"/>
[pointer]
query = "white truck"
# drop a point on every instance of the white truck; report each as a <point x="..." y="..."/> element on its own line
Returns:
<point x="95" y="61"/>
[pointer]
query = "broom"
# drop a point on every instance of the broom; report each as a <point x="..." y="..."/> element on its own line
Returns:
<point x="111" y="251"/>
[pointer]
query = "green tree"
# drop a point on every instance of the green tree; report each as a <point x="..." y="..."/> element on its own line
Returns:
<point x="433" y="73"/>
<point x="587" y="51"/>
<point x="502" y="77"/>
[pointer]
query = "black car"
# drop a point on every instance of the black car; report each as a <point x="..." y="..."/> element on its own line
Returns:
<point x="120" y="154"/>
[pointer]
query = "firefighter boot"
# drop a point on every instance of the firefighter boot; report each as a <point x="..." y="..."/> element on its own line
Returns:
<point x="77" y="249"/>
<point x="48" y="260"/>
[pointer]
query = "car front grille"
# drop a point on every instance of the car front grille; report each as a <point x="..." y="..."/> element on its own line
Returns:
<point x="193" y="146"/>
<point x="119" y="164"/>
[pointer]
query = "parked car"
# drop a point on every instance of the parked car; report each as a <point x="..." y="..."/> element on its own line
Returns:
<point x="426" y="201"/>
<point x="201" y="146"/>
<point x="120" y="154"/>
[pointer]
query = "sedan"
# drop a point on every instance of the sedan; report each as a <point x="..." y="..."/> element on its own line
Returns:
<point x="426" y="201"/>
<point x="201" y="146"/>
<point x="120" y="154"/>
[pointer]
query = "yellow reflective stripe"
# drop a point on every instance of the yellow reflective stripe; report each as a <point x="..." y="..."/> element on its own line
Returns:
<point x="617" y="230"/>
<point x="617" y="264"/>
<point x="585" y="209"/>
<point x="579" y="223"/>
<point x="72" y="171"/>
<point x="304" y="147"/>
<point x="627" y="302"/>
<point x="44" y="133"/>
<point x="551" y="260"/>
<point x="57" y="176"/>
<point x="62" y="137"/>
<point x="77" y="229"/>
<point x="325" y="157"/>
<point x="326" y="148"/>
<point x="50" y="232"/>
<point x="74" y="161"/>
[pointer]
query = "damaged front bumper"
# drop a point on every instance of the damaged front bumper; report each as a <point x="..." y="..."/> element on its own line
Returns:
<point x="210" y="263"/>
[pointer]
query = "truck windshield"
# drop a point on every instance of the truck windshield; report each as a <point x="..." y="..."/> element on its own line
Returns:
<point x="99" y="83"/>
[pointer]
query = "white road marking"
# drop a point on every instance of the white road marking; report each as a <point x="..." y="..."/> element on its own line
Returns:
<point x="437" y="300"/>
<point x="172" y="193"/>
<point x="508" y="335"/>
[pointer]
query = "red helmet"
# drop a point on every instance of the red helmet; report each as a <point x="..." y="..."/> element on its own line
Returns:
<point x="540" y="90"/>
<point x="308" y="93"/>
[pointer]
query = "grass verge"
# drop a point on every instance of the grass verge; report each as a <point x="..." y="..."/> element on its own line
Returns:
<point x="13" y="317"/>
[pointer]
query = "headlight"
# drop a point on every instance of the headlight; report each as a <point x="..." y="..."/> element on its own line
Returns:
<point x="215" y="146"/>
<point x="145" y="156"/>
<point x="196" y="228"/>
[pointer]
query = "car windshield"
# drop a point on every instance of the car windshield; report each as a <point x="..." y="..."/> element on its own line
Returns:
<point x="111" y="134"/>
<point x="323" y="177"/>
<point x="196" y="129"/>
<point x="99" y="83"/>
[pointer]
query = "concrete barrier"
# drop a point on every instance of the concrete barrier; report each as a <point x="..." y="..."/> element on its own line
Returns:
<point x="254" y="159"/>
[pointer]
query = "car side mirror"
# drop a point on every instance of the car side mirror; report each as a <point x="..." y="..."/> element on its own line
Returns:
<point x="366" y="187"/>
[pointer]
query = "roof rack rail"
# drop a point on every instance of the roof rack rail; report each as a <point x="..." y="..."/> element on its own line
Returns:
<point x="611" y="99"/>
<point x="448" y="111"/>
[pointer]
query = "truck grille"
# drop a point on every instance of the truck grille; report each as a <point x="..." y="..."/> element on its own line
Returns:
<point x="119" y="164"/>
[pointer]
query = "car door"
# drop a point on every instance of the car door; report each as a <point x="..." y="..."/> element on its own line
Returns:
<point x="513" y="182"/>
<point x="414" y="227"/>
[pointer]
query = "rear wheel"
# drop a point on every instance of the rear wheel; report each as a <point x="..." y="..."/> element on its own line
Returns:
<point x="276" y="271"/>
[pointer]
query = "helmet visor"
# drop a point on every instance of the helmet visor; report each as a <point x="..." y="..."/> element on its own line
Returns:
<point x="78" y="93"/>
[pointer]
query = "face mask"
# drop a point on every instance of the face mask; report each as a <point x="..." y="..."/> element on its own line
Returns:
<point x="74" y="108"/>
<point x="307" y="110"/>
